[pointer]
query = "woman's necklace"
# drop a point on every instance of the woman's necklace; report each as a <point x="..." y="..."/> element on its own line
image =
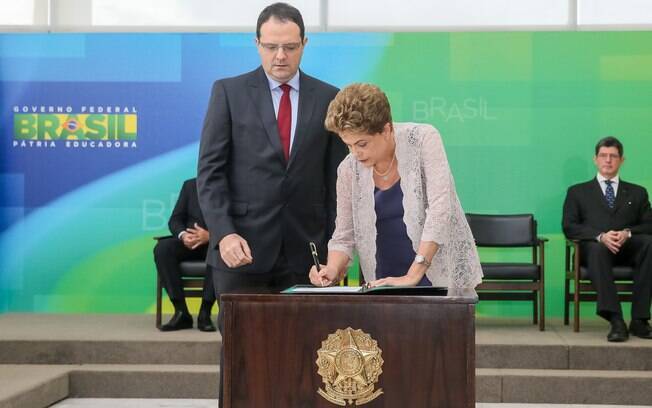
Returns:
<point x="385" y="175"/>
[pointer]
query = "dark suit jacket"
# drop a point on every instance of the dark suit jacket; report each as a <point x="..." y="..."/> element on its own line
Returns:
<point x="186" y="211"/>
<point x="245" y="185"/>
<point x="587" y="215"/>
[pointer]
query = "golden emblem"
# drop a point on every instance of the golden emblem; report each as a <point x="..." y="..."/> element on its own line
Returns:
<point x="349" y="363"/>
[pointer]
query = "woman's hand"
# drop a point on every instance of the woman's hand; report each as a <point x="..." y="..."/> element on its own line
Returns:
<point x="405" y="280"/>
<point x="327" y="276"/>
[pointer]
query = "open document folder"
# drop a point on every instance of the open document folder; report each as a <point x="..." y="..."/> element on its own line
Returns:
<point x="380" y="290"/>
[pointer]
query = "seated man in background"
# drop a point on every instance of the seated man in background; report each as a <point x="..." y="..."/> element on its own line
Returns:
<point x="613" y="220"/>
<point x="189" y="242"/>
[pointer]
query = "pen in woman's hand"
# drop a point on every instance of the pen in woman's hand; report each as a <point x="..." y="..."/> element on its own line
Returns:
<point x="315" y="260"/>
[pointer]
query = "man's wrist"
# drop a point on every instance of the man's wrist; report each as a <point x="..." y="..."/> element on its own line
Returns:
<point x="629" y="232"/>
<point x="180" y="236"/>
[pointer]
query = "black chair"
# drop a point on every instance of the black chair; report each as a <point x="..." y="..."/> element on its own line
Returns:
<point x="192" y="277"/>
<point x="583" y="290"/>
<point x="512" y="280"/>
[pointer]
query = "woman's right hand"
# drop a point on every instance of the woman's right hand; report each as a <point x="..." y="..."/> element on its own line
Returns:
<point x="327" y="276"/>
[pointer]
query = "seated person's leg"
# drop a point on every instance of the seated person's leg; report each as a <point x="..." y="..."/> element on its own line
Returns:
<point x="599" y="261"/>
<point x="637" y="252"/>
<point x="204" y="322"/>
<point x="168" y="252"/>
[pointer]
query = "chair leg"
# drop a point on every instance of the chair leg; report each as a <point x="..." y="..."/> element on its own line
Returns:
<point x="576" y="311"/>
<point x="566" y="301"/>
<point x="535" y="311"/>
<point x="542" y="310"/>
<point x="159" y="289"/>
<point x="576" y="290"/>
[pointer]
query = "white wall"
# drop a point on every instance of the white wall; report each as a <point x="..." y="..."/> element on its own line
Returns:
<point x="327" y="15"/>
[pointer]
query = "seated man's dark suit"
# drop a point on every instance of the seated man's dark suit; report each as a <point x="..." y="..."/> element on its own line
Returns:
<point x="587" y="215"/>
<point x="169" y="252"/>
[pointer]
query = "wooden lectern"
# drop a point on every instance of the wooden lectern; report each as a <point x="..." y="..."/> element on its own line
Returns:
<point x="397" y="351"/>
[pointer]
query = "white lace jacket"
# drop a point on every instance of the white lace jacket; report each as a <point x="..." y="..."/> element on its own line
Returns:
<point x="432" y="211"/>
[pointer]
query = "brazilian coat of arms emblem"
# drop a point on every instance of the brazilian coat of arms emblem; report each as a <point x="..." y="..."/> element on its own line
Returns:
<point x="350" y="363"/>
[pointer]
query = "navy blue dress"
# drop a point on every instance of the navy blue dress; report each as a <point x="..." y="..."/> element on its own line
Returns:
<point x="394" y="253"/>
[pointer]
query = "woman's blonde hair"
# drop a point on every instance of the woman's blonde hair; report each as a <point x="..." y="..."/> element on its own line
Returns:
<point x="359" y="108"/>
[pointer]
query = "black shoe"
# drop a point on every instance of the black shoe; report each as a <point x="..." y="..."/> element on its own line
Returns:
<point x="640" y="328"/>
<point x="618" y="332"/>
<point x="179" y="321"/>
<point x="204" y="322"/>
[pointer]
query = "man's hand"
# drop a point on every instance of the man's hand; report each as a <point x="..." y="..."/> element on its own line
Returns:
<point x="327" y="276"/>
<point x="623" y="236"/>
<point x="189" y="239"/>
<point x="199" y="235"/>
<point x="235" y="251"/>
<point x="613" y="240"/>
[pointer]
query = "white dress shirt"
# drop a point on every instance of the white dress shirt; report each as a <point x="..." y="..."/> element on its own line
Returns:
<point x="603" y="185"/>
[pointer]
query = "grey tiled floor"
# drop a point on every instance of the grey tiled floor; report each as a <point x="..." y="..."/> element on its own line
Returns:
<point x="134" y="403"/>
<point x="205" y="403"/>
<point x="553" y="406"/>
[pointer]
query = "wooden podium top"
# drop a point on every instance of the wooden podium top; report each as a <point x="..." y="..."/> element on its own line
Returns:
<point x="383" y="295"/>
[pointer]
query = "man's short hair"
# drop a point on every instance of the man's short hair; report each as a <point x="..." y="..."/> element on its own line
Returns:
<point x="609" y="141"/>
<point x="359" y="108"/>
<point x="282" y="12"/>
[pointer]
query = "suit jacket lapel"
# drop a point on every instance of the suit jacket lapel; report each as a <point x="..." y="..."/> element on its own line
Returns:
<point x="262" y="99"/>
<point x="622" y="196"/>
<point x="306" y="108"/>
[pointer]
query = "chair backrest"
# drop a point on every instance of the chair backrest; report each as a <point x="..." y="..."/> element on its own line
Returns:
<point x="513" y="230"/>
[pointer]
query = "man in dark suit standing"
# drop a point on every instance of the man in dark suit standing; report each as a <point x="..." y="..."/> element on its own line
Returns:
<point x="267" y="166"/>
<point x="188" y="242"/>
<point x="613" y="220"/>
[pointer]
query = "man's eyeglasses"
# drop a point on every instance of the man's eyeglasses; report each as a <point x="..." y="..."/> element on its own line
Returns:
<point x="273" y="48"/>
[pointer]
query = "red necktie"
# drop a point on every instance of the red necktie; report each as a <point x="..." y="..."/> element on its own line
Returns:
<point x="284" y="120"/>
